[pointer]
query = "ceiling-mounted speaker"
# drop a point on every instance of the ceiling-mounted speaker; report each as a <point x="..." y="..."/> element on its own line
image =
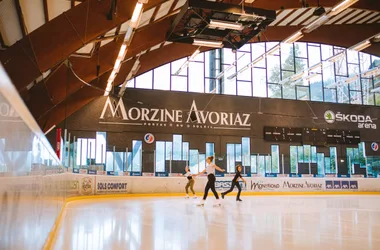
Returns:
<point x="112" y="10"/>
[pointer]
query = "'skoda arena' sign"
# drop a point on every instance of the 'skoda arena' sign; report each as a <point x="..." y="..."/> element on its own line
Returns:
<point x="363" y="121"/>
<point x="139" y="116"/>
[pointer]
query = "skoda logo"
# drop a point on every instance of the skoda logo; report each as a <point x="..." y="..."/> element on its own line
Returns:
<point x="329" y="116"/>
<point x="149" y="138"/>
<point x="375" y="146"/>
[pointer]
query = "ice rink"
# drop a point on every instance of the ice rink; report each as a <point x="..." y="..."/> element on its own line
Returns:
<point x="259" y="222"/>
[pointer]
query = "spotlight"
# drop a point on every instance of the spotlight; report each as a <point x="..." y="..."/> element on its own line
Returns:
<point x="319" y="11"/>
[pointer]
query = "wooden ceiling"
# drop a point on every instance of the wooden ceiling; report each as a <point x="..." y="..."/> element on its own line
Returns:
<point x="38" y="38"/>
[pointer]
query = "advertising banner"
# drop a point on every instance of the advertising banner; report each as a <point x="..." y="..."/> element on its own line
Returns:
<point x="111" y="185"/>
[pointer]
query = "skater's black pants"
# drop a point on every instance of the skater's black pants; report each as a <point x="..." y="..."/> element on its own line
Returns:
<point x="210" y="184"/>
<point x="234" y="183"/>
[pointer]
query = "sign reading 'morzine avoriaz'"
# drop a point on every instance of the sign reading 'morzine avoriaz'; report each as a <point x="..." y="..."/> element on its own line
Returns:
<point x="194" y="115"/>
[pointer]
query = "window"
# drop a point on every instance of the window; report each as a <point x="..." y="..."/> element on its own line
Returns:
<point x="137" y="156"/>
<point x="333" y="160"/>
<point x="293" y="159"/>
<point x="266" y="77"/>
<point x="321" y="163"/>
<point x="238" y="153"/>
<point x="254" y="164"/>
<point x="300" y="154"/>
<point x="101" y="139"/>
<point x="230" y="158"/>
<point x="160" y="156"/>
<point x="210" y="149"/>
<point x="185" y="151"/>
<point x="177" y="147"/>
<point x="168" y="150"/>
<point x="193" y="161"/>
<point x="246" y="149"/>
<point x="275" y="153"/>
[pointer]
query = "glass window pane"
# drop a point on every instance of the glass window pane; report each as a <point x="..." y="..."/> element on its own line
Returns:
<point x="144" y="81"/>
<point x="238" y="152"/>
<point x="293" y="159"/>
<point x="196" y="77"/>
<point x="137" y="156"/>
<point x="365" y="61"/>
<point x="321" y="163"/>
<point x="303" y="93"/>
<point x="176" y="65"/>
<point x="307" y="153"/>
<point x="193" y="161"/>
<point x="314" y="154"/>
<point x="314" y="55"/>
<point x="268" y="164"/>
<point x="246" y="150"/>
<point x="300" y="154"/>
<point x="229" y="87"/>
<point x="333" y="160"/>
<point x="274" y="91"/>
<point x="258" y="49"/>
<point x="316" y="88"/>
<point x="243" y="60"/>
<point x="253" y="164"/>
<point x="210" y="149"/>
<point x="244" y="88"/>
<point x="168" y="150"/>
<point x="109" y="161"/>
<point x="119" y="161"/>
<point x="275" y="153"/>
<point x="328" y="165"/>
<point x="259" y="82"/>
<point x="273" y="69"/>
<point x="101" y="139"/>
<point x="177" y="147"/>
<point x="327" y="51"/>
<point x="287" y="57"/>
<point x="230" y="158"/>
<point x="300" y="49"/>
<point x="160" y="156"/>
<point x="202" y="162"/>
<point x="185" y="151"/>
<point x="330" y="95"/>
<point x="261" y="162"/>
<point x="162" y="77"/>
<point x="179" y="83"/>
<point x="91" y="151"/>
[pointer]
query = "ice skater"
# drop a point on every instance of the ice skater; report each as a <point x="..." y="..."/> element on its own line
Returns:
<point x="210" y="169"/>
<point x="234" y="183"/>
<point x="190" y="183"/>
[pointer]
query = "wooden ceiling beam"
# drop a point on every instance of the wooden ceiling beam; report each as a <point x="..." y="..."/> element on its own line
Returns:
<point x="46" y="10"/>
<point x="20" y="16"/>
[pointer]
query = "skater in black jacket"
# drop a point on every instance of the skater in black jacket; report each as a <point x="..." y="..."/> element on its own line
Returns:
<point x="235" y="183"/>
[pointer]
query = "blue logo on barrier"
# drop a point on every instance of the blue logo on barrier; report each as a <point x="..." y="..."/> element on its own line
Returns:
<point x="329" y="185"/>
<point x="227" y="185"/>
<point x="76" y="170"/>
<point x="354" y="185"/>
<point x="337" y="185"/>
<point x="270" y="175"/>
<point x="91" y="171"/>
<point x="345" y="185"/>
<point x="110" y="173"/>
<point x="342" y="185"/>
